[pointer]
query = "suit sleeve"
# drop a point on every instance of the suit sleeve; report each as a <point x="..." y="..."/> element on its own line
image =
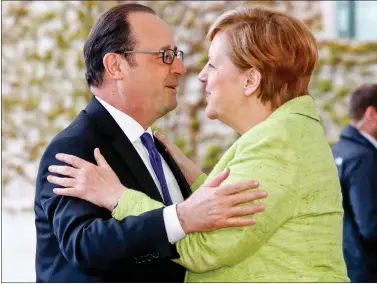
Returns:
<point x="362" y="184"/>
<point x="205" y="251"/>
<point x="87" y="235"/>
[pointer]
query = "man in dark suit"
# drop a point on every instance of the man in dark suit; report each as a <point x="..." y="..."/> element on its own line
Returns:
<point x="132" y="69"/>
<point x="356" y="158"/>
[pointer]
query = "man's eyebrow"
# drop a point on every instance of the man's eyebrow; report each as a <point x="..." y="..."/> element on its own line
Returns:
<point x="167" y="46"/>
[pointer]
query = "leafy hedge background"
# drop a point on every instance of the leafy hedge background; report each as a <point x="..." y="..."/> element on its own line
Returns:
<point x="43" y="85"/>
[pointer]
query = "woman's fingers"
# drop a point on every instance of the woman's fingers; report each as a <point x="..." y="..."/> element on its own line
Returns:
<point x="162" y="138"/>
<point x="72" y="160"/>
<point x="101" y="161"/>
<point x="66" y="182"/>
<point x="64" y="170"/>
<point x="169" y="146"/>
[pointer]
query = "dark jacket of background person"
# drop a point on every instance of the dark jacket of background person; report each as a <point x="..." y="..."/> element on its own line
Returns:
<point x="356" y="159"/>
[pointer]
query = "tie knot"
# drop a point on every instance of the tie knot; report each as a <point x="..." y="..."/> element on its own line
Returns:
<point x="147" y="141"/>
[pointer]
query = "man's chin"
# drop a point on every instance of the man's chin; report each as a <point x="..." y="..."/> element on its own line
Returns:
<point x="168" y="108"/>
<point x="173" y="104"/>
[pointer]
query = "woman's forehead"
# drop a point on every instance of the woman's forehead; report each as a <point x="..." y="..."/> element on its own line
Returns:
<point x="218" y="46"/>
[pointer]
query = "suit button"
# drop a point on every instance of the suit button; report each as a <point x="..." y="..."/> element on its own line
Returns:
<point x="137" y="260"/>
<point x="149" y="257"/>
<point x="155" y="255"/>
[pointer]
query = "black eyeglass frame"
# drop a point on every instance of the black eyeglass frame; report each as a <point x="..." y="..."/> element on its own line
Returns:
<point x="176" y="52"/>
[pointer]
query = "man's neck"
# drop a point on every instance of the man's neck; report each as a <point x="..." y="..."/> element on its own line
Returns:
<point x="364" y="129"/>
<point x="365" y="133"/>
<point x="106" y="95"/>
<point x="370" y="138"/>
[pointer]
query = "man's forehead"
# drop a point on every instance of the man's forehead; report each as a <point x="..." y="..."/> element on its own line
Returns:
<point x="149" y="28"/>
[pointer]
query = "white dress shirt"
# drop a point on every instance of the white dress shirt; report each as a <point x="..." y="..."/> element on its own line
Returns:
<point x="369" y="138"/>
<point x="133" y="130"/>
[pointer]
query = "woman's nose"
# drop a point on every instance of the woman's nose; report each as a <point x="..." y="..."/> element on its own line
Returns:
<point x="203" y="76"/>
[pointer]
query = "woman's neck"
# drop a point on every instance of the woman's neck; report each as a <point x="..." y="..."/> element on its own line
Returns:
<point x="249" y="115"/>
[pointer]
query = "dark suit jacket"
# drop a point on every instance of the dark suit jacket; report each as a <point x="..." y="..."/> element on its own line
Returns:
<point x="80" y="242"/>
<point x="357" y="165"/>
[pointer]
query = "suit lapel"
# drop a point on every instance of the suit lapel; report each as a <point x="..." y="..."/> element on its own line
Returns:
<point x="136" y="165"/>
<point x="183" y="185"/>
<point x="124" y="147"/>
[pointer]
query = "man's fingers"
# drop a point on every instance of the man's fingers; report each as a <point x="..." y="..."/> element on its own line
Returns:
<point x="66" y="182"/>
<point x="237" y="187"/>
<point x="72" y="160"/>
<point x="101" y="161"/>
<point x="217" y="180"/>
<point x="246" y="210"/>
<point x="63" y="170"/>
<point x="244" y="197"/>
<point x="239" y="222"/>
<point x="67" y="191"/>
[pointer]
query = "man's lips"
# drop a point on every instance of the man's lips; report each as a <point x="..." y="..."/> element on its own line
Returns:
<point x="172" y="87"/>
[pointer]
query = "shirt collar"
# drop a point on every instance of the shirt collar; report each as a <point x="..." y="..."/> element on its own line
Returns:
<point x="369" y="138"/>
<point x="131" y="128"/>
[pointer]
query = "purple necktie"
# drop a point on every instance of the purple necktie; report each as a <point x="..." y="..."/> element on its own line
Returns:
<point x="154" y="157"/>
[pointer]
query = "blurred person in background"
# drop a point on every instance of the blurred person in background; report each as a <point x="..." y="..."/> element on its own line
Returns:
<point x="80" y="242"/>
<point x="356" y="158"/>
<point x="256" y="81"/>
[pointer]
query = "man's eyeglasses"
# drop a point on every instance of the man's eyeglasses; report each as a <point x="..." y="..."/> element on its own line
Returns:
<point x="168" y="55"/>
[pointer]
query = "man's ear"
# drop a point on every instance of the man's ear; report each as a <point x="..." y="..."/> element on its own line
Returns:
<point x="114" y="66"/>
<point x="370" y="113"/>
<point x="252" y="81"/>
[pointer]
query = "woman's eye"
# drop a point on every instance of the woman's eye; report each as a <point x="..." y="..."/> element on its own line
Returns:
<point x="211" y="66"/>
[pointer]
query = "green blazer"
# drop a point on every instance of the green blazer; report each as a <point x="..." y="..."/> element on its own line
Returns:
<point x="299" y="236"/>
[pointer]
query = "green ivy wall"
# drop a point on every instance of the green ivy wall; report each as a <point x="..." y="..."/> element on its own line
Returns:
<point x="44" y="88"/>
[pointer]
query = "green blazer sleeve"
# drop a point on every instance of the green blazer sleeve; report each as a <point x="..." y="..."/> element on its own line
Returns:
<point x="133" y="202"/>
<point x="205" y="251"/>
<point x="202" y="252"/>
<point x="199" y="181"/>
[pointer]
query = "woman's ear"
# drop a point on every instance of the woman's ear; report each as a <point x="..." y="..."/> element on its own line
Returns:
<point x="114" y="65"/>
<point x="253" y="81"/>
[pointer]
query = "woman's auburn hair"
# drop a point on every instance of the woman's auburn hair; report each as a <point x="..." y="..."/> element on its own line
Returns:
<point x="279" y="46"/>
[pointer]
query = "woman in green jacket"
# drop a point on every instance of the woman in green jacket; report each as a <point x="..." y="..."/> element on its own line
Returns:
<point x="256" y="80"/>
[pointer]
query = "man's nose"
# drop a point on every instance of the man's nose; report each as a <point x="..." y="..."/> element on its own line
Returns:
<point x="178" y="67"/>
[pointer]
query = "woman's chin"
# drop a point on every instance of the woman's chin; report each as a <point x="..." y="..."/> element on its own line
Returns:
<point x="211" y="114"/>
